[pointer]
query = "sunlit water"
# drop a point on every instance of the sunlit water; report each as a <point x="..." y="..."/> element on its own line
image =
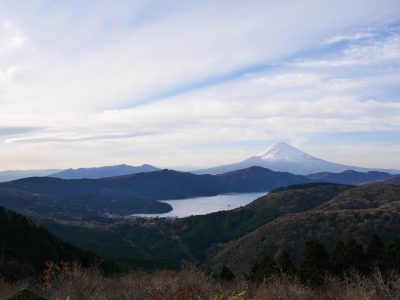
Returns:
<point x="204" y="205"/>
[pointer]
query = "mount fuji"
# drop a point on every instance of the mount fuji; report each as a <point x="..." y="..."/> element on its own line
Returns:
<point x="285" y="158"/>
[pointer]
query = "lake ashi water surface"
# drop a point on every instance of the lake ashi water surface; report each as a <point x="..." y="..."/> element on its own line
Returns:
<point x="205" y="205"/>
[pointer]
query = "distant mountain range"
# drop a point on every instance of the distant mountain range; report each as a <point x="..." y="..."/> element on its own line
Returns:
<point x="102" y="172"/>
<point x="18" y="174"/>
<point x="285" y="158"/>
<point x="81" y="173"/>
<point x="280" y="157"/>
<point x="136" y="193"/>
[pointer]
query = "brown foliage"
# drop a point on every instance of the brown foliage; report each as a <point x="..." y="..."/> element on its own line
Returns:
<point x="193" y="283"/>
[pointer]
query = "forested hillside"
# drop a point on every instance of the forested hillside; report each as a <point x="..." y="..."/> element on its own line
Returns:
<point x="357" y="213"/>
<point x="25" y="248"/>
<point x="169" y="242"/>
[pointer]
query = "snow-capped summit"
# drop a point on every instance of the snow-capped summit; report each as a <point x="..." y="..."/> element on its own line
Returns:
<point x="284" y="158"/>
<point x="282" y="152"/>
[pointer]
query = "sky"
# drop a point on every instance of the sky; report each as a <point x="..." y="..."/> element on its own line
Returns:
<point x="189" y="84"/>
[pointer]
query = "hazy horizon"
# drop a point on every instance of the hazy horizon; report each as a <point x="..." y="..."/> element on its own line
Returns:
<point x="188" y="84"/>
<point x="177" y="167"/>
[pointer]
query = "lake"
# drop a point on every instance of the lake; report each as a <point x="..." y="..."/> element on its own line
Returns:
<point x="204" y="205"/>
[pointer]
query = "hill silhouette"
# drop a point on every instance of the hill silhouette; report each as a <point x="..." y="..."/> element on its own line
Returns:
<point x="129" y="194"/>
<point x="25" y="248"/>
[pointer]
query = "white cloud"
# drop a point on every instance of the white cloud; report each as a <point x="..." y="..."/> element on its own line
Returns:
<point x="364" y="54"/>
<point x="9" y="74"/>
<point x="11" y="37"/>
<point x="351" y="37"/>
<point x="93" y="78"/>
<point x="290" y="80"/>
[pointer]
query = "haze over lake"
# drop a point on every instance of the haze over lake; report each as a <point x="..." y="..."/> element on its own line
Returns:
<point x="205" y="205"/>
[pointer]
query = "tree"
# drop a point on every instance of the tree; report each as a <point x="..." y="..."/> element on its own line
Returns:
<point x="393" y="254"/>
<point x="354" y="257"/>
<point x="376" y="253"/>
<point x="314" y="263"/>
<point x="263" y="269"/>
<point x="27" y="294"/>
<point x="337" y="264"/>
<point x="285" y="264"/>
<point x="226" y="274"/>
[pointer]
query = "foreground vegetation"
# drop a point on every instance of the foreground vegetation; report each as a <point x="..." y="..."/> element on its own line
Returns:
<point x="350" y="272"/>
<point x="193" y="283"/>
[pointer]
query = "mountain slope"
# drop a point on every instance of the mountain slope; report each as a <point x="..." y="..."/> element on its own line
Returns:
<point x="258" y="179"/>
<point x="284" y="158"/>
<point x="25" y="248"/>
<point x="171" y="242"/>
<point x="350" y="177"/>
<point x="101" y="172"/>
<point x="58" y="198"/>
<point x="124" y="195"/>
<point x="394" y="180"/>
<point x="285" y="218"/>
<point x="355" y="213"/>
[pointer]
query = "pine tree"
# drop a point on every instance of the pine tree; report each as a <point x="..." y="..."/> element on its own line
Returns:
<point x="314" y="263"/>
<point x="226" y="274"/>
<point x="376" y="253"/>
<point x="354" y="257"/>
<point x="393" y="253"/>
<point x="285" y="264"/>
<point x="337" y="264"/>
<point x="263" y="269"/>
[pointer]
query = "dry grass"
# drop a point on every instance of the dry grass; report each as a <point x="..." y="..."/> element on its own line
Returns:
<point x="192" y="283"/>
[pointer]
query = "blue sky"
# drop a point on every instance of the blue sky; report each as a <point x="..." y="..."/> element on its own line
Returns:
<point x="197" y="83"/>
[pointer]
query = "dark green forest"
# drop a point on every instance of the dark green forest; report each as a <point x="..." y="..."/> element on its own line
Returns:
<point x="316" y="263"/>
<point x="25" y="248"/>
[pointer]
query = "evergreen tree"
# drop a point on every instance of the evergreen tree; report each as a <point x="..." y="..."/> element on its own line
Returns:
<point x="376" y="253"/>
<point x="314" y="263"/>
<point x="393" y="254"/>
<point x="354" y="257"/>
<point x="337" y="264"/>
<point x="285" y="264"/>
<point x="226" y="274"/>
<point x="263" y="269"/>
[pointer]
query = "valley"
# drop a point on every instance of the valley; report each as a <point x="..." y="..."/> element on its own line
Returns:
<point x="285" y="218"/>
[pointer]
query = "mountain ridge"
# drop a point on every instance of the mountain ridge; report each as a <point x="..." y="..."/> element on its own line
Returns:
<point x="133" y="193"/>
<point x="103" y="172"/>
<point x="351" y="177"/>
<point x="9" y="175"/>
<point x="141" y="192"/>
<point x="286" y="158"/>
